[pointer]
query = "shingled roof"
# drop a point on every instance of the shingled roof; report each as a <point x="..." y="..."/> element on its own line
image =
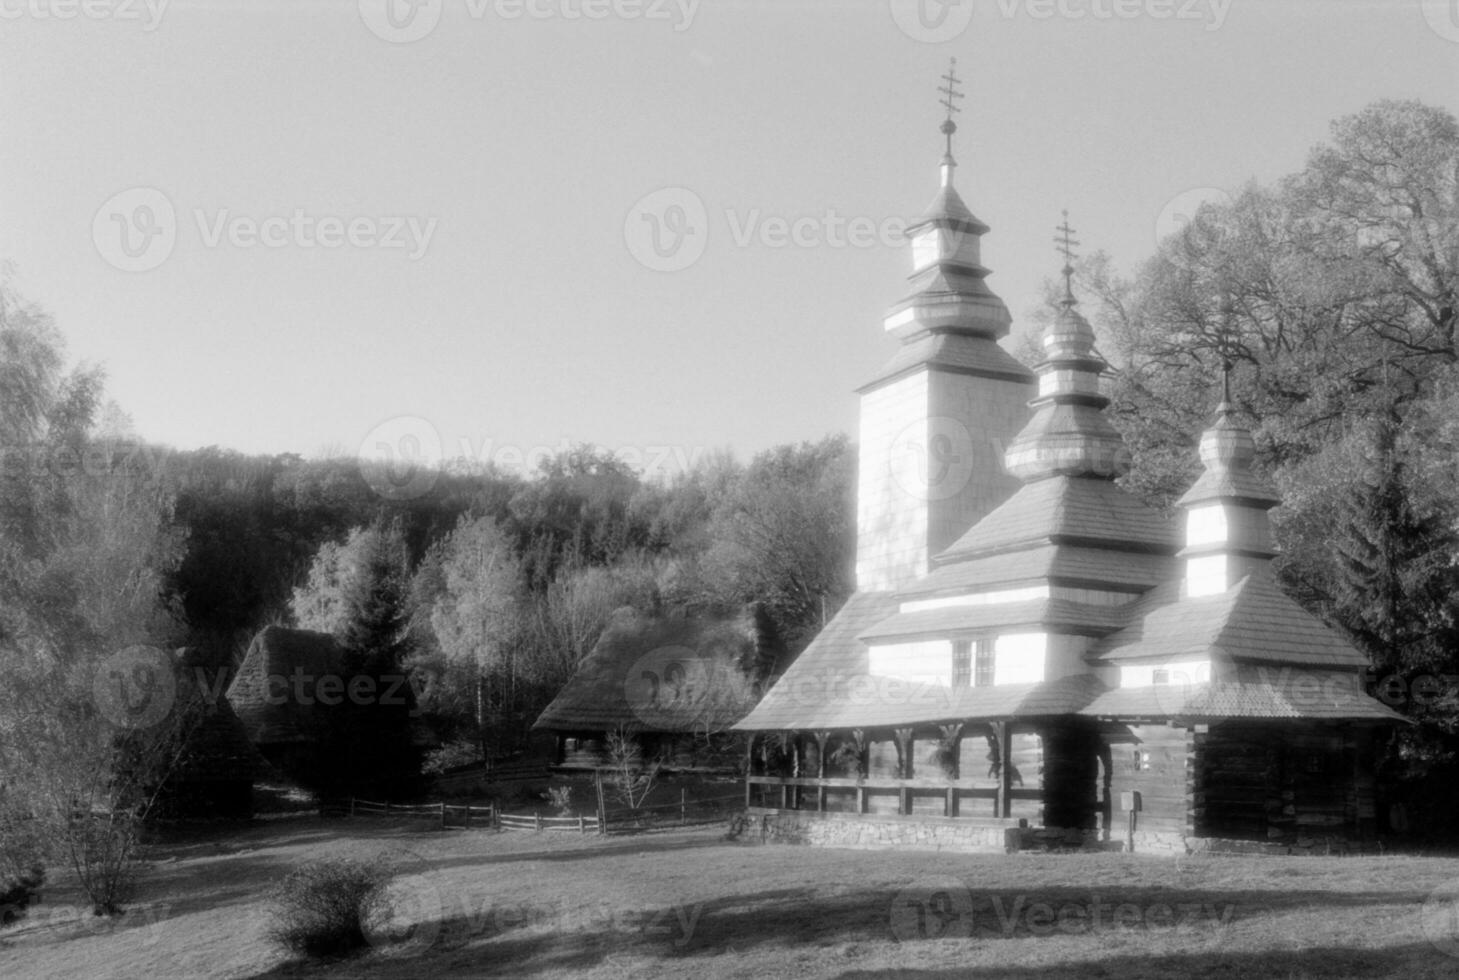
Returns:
<point x="1071" y="510"/>
<point x="1059" y="565"/>
<point x="1319" y="695"/>
<point x="263" y="692"/>
<point x="1254" y="621"/>
<point x="667" y="673"/>
<point x="958" y="353"/>
<point x="831" y="659"/>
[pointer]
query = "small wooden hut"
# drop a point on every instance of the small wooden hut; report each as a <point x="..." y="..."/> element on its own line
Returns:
<point x="674" y="684"/>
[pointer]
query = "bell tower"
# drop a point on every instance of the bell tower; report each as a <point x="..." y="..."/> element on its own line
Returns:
<point x="935" y="421"/>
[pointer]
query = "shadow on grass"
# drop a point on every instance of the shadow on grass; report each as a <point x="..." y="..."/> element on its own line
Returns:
<point x="554" y="941"/>
<point x="1416" y="961"/>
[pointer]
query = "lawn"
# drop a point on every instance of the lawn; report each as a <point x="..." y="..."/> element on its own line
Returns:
<point x="689" y="903"/>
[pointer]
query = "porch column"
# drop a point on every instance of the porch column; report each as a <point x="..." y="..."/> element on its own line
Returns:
<point x="952" y="745"/>
<point x="905" y="767"/>
<point x="863" y="762"/>
<point x="749" y="767"/>
<point x="823" y="739"/>
<point x="1000" y="741"/>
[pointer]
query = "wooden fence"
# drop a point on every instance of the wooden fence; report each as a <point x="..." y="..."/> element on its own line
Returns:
<point x="684" y="813"/>
<point x="444" y="815"/>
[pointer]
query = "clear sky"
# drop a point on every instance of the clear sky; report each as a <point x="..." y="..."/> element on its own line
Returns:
<point x="280" y="225"/>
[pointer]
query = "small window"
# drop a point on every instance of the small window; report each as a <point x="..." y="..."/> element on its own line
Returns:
<point x="962" y="663"/>
<point x="1160" y="676"/>
<point x="983" y="664"/>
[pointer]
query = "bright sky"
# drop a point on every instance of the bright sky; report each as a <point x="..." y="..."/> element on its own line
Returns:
<point x="514" y="150"/>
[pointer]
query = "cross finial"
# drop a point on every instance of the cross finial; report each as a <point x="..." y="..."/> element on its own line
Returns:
<point x="1228" y="313"/>
<point x="1066" y="243"/>
<point x="949" y="100"/>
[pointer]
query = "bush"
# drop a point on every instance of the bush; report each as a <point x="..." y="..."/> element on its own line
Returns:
<point x="17" y="893"/>
<point x="324" y="907"/>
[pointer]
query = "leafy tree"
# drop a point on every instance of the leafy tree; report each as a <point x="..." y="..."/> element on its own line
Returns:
<point x="784" y="536"/>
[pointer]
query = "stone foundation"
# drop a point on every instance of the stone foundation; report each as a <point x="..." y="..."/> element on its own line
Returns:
<point x="983" y="835"/>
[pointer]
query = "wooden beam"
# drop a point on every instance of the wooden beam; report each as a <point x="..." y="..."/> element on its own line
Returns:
<point x="1001" y="740"/>
<point x="906" y="768"/>
<point x="823" y="739"/>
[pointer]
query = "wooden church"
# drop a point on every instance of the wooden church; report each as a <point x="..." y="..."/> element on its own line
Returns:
<point x="1033" y="655"/>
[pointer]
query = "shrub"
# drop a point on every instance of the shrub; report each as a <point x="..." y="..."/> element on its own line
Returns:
<point x="18" y="892"/>
<point x="324" y="907"/>
<point x="561" y="799"/>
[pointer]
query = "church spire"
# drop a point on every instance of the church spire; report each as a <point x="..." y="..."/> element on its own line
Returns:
<point x="948" y="291"/>
<point x="1068" y="434"/>
<point x="949" y="100"/>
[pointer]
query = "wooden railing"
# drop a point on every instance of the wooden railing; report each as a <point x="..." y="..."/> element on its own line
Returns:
<point x="792" y="793"/>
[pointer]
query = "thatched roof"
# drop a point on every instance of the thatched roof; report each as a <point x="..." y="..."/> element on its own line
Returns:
<point x="218" y="747"/>
<point x="668" y="673"/>
<point x="273" y="691"/>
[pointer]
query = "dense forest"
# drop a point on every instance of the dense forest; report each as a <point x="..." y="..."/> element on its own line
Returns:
<point x="1328" y="296"/>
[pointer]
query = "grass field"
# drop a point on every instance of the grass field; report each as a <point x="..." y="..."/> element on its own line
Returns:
<point x="691" y="904"/>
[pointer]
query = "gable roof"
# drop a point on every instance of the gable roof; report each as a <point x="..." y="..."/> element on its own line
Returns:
<point x="1070" y="510"/>
<point x="667" y="673"/>
<point x="1254" y="621"/>
<point x="1059" y="615"/>
<point x="272" y="693"/>
<point x="955" y="352"/>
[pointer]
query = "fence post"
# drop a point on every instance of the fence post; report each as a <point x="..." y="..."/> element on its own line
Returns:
<point x="352" y="806"/>
<point x="468" y="817"/>
<point x="537" y="817"/>
<point x="443" y="814"/>
<point x="602" y="806"/>
<point x="683" y="806"/>
<point x="582" y="826"/>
